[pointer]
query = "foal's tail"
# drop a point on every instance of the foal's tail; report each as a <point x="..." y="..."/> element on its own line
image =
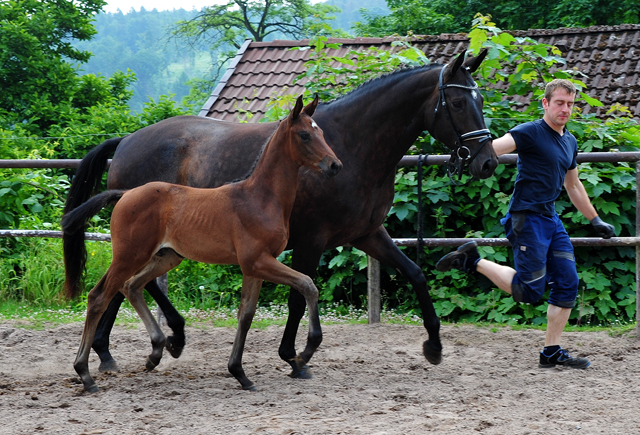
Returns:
<point x="75" y="251"/>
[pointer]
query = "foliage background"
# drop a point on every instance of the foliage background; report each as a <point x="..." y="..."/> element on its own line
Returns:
<point x="90" y="105"/>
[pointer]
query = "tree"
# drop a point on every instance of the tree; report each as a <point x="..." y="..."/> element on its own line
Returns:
<point x="38" y="62"/>
<point x="231" y="23"/>
<point x="430" y="17"/>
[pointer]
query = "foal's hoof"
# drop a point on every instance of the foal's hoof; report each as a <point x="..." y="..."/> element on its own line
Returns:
<point x="431" y="353"/>
<point x="108" y="366"/>
<point x="175" y="346"/>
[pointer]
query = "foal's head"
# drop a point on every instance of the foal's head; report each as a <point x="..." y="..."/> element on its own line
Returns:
<point x="306" y="140"/>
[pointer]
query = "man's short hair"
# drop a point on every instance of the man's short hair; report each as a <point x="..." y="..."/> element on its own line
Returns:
<point x="559" y="83"/>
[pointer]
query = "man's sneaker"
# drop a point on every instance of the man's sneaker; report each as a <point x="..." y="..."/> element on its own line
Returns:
<point x="561" y="358"/>
<point x="464" y="258"/>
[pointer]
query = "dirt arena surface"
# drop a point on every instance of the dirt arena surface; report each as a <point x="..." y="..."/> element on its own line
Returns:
<point x="367" y="380"/>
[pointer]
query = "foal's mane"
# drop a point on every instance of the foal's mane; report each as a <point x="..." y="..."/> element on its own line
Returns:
<point x="255" y="163"/>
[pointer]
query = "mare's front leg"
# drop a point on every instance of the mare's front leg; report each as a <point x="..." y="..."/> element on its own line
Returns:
<point x="272" y="270"/>
<point x="304" y="261"/>
<point x="250" y="292"/>
<point x="381" y="247"/>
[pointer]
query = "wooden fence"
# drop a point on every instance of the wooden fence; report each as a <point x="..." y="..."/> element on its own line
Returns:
<point x="373" y="272"/>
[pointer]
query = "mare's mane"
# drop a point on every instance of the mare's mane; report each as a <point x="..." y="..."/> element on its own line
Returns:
<point x="376" y="83"/>
<point x="370" y="86"/>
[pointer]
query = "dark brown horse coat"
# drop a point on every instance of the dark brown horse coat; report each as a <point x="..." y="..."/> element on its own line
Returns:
<point x="370" y="129"/>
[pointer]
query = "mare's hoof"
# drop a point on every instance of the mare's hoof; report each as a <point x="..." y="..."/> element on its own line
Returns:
<point x="431" y="353"/>
<point x="303" y="372"/>
<point x="251" y="387"/>
<point x="175" y="346"/>
<point x="91" y="389"/>
<point x="108" y="366"/>
<point x="150" y="365"/>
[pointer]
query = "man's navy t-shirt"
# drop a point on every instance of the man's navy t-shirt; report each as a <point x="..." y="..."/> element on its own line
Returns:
<point x="544" y="157"/>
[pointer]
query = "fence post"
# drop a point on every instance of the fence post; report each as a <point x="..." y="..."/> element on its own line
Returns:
<point x="373" y="289"/>
<point x="637" y="250"/>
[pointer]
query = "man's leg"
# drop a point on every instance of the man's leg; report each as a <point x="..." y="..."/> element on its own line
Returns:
<point x="557" y="318"/>
<point x="501" y="276"/>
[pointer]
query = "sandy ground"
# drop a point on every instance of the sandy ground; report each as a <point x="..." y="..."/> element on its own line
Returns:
<point x="367" y="380"/>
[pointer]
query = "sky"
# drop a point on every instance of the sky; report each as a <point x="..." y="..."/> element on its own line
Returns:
<point x="161" y="5"/>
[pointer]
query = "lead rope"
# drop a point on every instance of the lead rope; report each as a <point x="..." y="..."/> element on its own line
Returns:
<point x="422" y="158"/>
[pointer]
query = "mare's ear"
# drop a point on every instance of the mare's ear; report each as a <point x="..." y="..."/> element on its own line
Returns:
<point x="457" y="64"/>
<point x="473" y="63"/>
<point x="295" y="112"/>
<point x="311" y="107"/>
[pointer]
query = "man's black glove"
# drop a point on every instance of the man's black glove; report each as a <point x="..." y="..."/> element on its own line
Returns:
<point x="602" y="228"/>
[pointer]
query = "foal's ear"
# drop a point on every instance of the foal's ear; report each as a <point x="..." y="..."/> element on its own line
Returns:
<point x="295" y="112"/>
<point x="311" y="107"/>
<point x="473" y="63"/>
<point x="457" y="64"/>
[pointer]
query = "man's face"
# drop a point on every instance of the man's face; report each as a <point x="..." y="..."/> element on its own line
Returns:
<point x="558" y="108"/>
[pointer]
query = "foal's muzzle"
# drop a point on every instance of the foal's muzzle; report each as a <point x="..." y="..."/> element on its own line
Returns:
<point x="330" y="166"/>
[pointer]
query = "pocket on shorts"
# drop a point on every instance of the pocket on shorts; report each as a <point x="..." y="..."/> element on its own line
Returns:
<point x="518" y="219"/>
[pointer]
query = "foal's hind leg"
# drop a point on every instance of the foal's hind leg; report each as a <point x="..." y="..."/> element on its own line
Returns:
<point x="97" y="302"/>
<point x="250" y="291"/>
<point x="163" y="261"/>
<point x="175" y="343"/>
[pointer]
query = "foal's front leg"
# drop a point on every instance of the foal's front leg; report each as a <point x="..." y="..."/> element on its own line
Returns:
<point x="274" y="271"/>
<point x="250" y="292"/>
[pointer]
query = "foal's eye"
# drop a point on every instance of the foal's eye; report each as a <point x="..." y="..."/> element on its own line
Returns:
<point x="304" y="136"/>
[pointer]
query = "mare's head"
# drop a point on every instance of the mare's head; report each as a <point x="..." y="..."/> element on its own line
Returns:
<point x="307" y="144"/>
<point x="457" y="120"/>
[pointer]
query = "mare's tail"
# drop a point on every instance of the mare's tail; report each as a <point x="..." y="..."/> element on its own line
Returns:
<point x="89" y="174"/>
<point x="75" y="251"/>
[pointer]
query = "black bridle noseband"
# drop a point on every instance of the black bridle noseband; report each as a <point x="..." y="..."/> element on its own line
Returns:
<point x="461" y="155"/>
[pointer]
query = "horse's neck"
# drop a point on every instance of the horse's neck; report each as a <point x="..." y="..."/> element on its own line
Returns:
<point x="275" y="174"/>
<point x="382" y="123"/>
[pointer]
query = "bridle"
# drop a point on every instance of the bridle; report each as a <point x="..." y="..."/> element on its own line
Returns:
<point x="461" y="155"/>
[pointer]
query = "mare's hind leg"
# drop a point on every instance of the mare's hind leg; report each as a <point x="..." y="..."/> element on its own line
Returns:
<point x="103" y="331"/>
<point x="250" y="292"/>
<point x="175" y="343"/>
<point x="272" y="270"/>
<point x="163" y="261"/>
<point x="381" y="247"/>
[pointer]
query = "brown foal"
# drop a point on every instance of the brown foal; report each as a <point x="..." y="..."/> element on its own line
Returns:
<point x="155" y="226"/>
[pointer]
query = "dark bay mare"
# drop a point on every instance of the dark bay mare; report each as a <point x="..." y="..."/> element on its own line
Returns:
<point x="370" y="128"/>
<point x="155" y="226"/>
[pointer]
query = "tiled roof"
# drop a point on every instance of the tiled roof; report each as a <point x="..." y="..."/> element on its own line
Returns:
<point x="608" y="55"/>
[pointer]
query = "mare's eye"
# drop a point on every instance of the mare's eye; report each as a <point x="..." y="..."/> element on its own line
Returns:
<point x="304" y="136"/>
<point x="457" y="104"/>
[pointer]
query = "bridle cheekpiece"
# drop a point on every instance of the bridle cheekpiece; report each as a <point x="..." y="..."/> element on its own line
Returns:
<point x="461" y="155"/>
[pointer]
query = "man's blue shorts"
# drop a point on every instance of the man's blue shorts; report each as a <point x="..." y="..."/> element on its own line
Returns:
<point x="542" y="254"/>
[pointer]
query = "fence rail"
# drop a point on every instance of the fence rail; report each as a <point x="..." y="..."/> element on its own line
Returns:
<point x="373" y="272"/>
